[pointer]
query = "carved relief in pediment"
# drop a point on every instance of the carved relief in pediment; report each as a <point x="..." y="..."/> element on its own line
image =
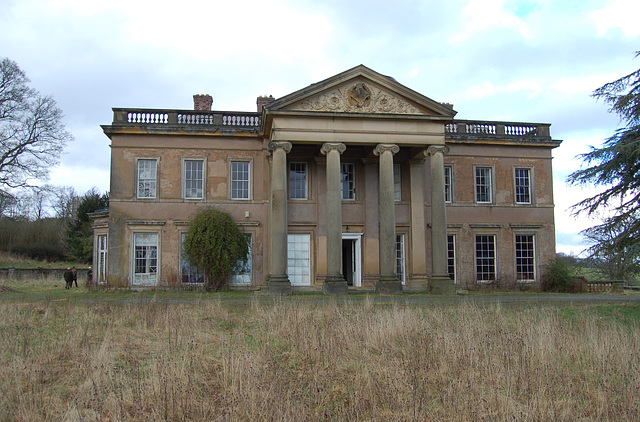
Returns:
<point x="357" y="98"/>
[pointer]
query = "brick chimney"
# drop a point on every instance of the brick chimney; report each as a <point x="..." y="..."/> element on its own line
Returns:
<point x="263" y="101"/>
<point x="202" y="102"/>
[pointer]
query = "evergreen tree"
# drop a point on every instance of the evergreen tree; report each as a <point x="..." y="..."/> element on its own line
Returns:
<point x="80" y="232"/>
<point x="616" y="165"/>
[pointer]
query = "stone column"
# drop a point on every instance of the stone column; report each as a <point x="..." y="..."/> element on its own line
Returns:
<point x="389" y="282"/>
<point x="334" y="282"/>
<point x="418" y="280"/>
<point x="440" y="281"/>
<point x="277" y="281"/>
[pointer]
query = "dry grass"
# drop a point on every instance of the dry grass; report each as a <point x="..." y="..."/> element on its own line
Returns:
<point x="287" y="361"/>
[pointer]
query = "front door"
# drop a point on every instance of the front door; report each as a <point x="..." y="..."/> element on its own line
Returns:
<point x="351" y="258"/>
<point x="348" y="260"/>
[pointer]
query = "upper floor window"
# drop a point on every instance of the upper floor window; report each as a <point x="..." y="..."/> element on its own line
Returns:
<point x="348" y="181"/>
<point x="448" y="185"/>
<point x="147" y="176"/>
<point x="397" y="183"/>
<point x="298" y="181"/>
<point x="483" y="185"/>
<point x="523" y="185"/>
<point x="240" y="180"/>
<point x="193" y="179"/>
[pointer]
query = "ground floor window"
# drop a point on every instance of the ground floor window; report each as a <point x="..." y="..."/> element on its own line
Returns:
<point x="525" y="258"/>
<point x="242" y="272"/>
<point x="189" y="274"/>
<point x="485" y="257"/>
<point x="299" y="259"/>
<point x="451" y="256"/>
<point x="400" y="261"/>
<point x="145" y="266"/>
<point x="101" y="271"/>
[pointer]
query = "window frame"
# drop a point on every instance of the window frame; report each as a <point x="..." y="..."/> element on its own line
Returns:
<point x="451" y="257"/>
<point x="297" y="273"/>
<point x="134" y="260"/>
<point x="306" y="181"/>
<point x="529" y="187"/>
<point x="193" y="271"/>
<point x="237" y="277"/>
<point x="401" y="257"/>
<point x="202" y="180"/>
<point x="249" y="163"/>
<point x="489" y="186"/>
<point x="531" y="257"/>
<point x="397" y="182"/>
<point x="153" y="193"/>
<point x="448" y="187"/>
<point x="102" y="258"/>
<point x="492" y="261"/>
<point x="351" y="183"/>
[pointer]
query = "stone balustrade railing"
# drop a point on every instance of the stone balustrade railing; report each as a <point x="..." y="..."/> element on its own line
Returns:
<point x="136" y="117"/>
<point x="508" y="129"/>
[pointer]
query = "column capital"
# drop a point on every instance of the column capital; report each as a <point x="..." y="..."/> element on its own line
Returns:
<point x="380" y="148"/>
<point x="433" y="149"/>
<point x="330" y="146"/>
<point x="274" y="145"/>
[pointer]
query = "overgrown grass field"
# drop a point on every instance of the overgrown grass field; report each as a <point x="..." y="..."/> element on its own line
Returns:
<point x="133" y="358"/>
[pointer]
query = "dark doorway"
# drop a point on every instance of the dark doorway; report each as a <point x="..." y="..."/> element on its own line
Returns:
<point x="348" y="260"/>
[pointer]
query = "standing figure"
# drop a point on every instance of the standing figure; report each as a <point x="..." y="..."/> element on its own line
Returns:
<point x="68" y="278"/>
<point x="75" y="275"/>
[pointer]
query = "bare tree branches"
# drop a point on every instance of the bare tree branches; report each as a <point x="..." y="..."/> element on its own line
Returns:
<point x="32" y="135"/>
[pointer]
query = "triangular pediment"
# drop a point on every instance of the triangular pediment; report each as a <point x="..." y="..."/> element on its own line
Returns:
<point x="361" y="90"/>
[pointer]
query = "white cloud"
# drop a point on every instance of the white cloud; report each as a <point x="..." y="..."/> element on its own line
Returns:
<point x="618" y="14"/>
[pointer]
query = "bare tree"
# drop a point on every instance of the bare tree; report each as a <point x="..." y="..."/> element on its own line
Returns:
<point x="32" y="135"/>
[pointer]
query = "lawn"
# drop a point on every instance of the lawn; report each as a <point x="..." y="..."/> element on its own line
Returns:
<point x="136" y="356"/>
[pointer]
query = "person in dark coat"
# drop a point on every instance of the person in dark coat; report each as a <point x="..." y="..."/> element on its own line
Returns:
<point x="68" y="278"/>
<point x="75" y="276"/>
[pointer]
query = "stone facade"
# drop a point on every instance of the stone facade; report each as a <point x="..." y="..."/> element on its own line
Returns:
<point x="353" y="183"/>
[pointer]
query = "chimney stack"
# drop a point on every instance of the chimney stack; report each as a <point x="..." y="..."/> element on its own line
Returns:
<point x="202" y="102"/>
<point x="263" y="101"/>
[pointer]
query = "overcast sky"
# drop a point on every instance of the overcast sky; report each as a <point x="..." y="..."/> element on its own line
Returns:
<point x="515" y="60"/>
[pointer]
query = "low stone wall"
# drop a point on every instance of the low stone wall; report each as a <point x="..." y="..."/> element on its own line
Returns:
<point x="38" y="274"/>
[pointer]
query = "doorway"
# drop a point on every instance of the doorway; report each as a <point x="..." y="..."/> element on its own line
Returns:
<point x="351" y="258"/>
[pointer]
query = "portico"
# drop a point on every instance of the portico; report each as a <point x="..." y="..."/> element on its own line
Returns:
<point x="363" y="113"/>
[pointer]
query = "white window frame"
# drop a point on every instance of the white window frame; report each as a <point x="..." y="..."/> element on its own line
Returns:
<point x="516" y="186"/>
<point x="146" y="185"/>
<point x="350" y="193"/>
<point x="193" y="272"/>
<point x="306" y="181"/>
<point x="187" y="178"/>
<point x="492" y="261"/>
<point x="451" y="257"/>
<point x="448" y="186"/>
<point x="102" y="241"/>
<point x="532" y="257"/>
<point x="150" y="277"/>
<point x="299" y="259"/>
<point x="397" y="182"/>
<point x="243" y="273"/>
<point x="401" y="262"/>
<point x="233" y="180"/>
<point x="488" y="185"/>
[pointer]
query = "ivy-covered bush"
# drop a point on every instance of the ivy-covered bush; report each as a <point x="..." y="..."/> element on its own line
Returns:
<point x="216" y="245"/>
<point x="557" y="276"/>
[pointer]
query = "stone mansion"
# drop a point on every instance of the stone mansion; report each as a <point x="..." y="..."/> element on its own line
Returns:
<point x="352" y="183"/>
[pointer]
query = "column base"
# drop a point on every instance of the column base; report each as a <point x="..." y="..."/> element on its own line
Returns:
<point x="442" y="285"/>
<point x="389" y="285"/>
<point x="335" y="285"/>
<point x="417" y="283"/>
<point x="277" y="285"/>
